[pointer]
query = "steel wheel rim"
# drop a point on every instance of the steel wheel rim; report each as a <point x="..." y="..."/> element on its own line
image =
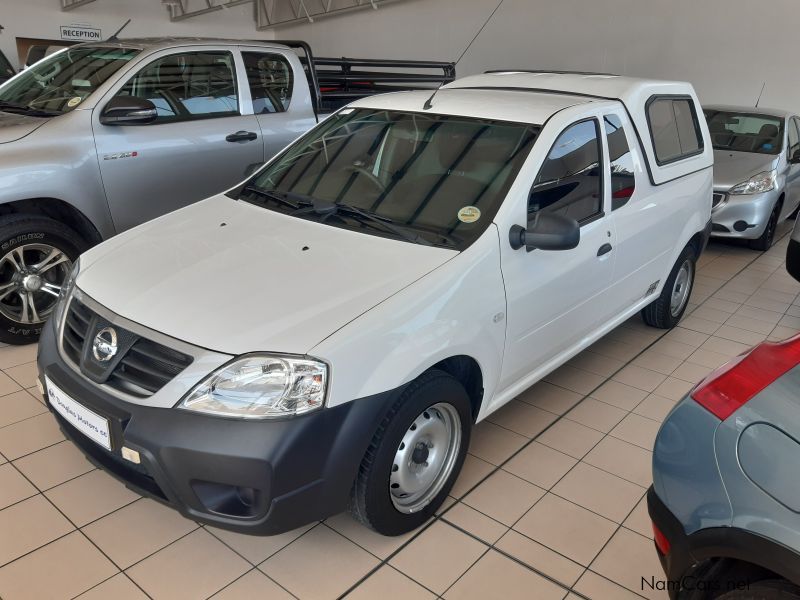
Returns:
<point x="425" y="458"/>
<point x="31" y="277"/>
<point x="681" y="288"/>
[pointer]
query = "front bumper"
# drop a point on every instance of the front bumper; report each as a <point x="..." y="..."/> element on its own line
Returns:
<point x="256" y="477"/>
<point x="751" y="210"/>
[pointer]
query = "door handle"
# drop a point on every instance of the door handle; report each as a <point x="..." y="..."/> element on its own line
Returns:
<point x="604" y="249"/>
<point x="241" y="136"/>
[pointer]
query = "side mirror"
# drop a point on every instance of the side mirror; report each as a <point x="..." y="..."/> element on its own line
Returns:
<point x="546" y="231"/>
<point x="128" y="110"/>
<point x="795" y="158"/>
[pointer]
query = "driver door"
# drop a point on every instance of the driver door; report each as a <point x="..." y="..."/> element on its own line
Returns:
<point x="200" y="144"/>
<point x="555" y="299"/>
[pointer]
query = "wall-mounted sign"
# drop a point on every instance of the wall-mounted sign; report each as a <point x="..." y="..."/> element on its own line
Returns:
<point x="80" y="33"/>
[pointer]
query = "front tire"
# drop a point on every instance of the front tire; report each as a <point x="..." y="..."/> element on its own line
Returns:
<point x="415" y="455"/>
<point x="764" y="242"/>
<point x="667" y="310"/>
<point x="36" y="256"/>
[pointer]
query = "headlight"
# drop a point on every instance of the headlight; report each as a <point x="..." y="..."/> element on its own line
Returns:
<point x="261" y="387"/>
<point x="757" y="184"/>
<point x="66" y="291"/>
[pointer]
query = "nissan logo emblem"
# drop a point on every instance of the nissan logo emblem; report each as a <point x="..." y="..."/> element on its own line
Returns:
<point x="104" y="347"/>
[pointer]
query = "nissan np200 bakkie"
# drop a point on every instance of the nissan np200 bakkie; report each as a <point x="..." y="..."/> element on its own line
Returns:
<point x="326" y="334"/>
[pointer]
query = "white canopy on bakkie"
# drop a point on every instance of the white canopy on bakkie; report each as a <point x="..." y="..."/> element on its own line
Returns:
<point x="640" y="97"/>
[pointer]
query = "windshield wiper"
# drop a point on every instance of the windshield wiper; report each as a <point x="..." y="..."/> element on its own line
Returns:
<point x="295" y="201"/>
<point x="34" y="112"/>
<point x="303" y="205"/>
<point x="327" y="209"/>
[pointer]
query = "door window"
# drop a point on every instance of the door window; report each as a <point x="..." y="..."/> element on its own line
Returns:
<point x="794" y="138"/>
<point x="271" y="78"/>
<point x="623" y="180"/>
<point x="570" y="180"/>
<point x="188" y="86"/>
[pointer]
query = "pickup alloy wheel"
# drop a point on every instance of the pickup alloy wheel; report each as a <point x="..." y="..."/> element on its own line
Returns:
<point x="36" y="257"/>
<point x="415" y="455"/>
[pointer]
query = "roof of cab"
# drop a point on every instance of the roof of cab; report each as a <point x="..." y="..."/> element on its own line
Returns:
<point x="500" y="105"/>
<point x="591" y="85"/>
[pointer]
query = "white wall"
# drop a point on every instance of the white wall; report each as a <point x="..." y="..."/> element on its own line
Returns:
<point x="727" y="48"/>
<point x="42" y="19"/>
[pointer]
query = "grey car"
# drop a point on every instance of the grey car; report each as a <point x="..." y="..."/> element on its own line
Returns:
<point x="725" y="500"/>
<point x="756" y="171"/>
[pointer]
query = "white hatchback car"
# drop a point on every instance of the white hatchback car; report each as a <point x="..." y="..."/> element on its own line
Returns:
<point x="326" y="334"/>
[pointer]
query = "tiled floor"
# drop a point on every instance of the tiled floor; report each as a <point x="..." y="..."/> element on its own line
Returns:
<point x="550" y="503"/>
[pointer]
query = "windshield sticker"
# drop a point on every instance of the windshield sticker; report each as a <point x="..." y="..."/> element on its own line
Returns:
<point x="73" y="102"/>
<point x="469" y="214"/>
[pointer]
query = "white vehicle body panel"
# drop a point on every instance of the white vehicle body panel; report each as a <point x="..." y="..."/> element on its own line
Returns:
<point x="238" y="280"/>
<point x="380" y="312"/>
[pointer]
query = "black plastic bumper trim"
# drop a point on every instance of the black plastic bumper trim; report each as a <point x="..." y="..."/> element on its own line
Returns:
<point x="302" y="469"/>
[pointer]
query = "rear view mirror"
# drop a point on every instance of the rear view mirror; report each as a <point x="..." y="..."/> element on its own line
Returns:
<point x="128" y="110"/>
<point x="546" y="231"/>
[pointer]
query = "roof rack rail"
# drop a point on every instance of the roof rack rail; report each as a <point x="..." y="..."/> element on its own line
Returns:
<point x="553" y="72"/>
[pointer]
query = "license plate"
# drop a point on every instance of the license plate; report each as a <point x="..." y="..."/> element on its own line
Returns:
<point x="81" y="418"/>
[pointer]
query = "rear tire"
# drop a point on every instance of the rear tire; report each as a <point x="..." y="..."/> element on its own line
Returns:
<point x="764" y="243"/>
<point x="769" y="589"/>
<point x="36" y="256"/>
<point x="667" y="310"/>
<point x="415" y="455"/>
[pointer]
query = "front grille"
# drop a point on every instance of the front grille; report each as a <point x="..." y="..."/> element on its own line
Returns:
<point x="143" y="367"/>
<point x="717" y="200"/>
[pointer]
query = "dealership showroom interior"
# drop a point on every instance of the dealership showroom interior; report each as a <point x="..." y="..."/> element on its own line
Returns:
<point x="374" y="299"/>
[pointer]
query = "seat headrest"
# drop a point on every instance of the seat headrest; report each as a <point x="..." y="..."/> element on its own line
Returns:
<point x="769" y="131"/>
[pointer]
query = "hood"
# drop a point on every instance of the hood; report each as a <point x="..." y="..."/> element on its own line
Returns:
<point x="235" y="278"/>
<point x="732" y="168"/>
<point x="14" y="127"/>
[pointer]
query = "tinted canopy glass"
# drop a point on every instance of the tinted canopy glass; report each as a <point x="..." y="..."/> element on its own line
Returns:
<point x="437" y="178"/>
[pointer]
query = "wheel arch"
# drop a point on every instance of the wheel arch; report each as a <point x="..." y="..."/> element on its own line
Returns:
<point x="58" y="210"/>
<point x="468" y="372"/>
<point x="739" y="550"/>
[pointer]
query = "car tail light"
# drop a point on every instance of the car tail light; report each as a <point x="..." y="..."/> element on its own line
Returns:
<point x="662" y="543"/>
<point x="733" y="384"/>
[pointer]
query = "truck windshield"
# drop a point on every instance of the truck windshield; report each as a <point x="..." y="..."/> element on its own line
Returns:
<point x="61" y="82"/>
<point x="426" y="178"/>
<point x="745" y="132"/>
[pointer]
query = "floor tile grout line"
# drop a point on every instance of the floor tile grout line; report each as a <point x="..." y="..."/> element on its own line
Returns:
<point x="81" y="532"/>
<point x="492" y="546"/>
<point x="252" y="569"/>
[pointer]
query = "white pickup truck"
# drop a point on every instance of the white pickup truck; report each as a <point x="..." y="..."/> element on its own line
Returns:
<point x="327" y="334"/>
